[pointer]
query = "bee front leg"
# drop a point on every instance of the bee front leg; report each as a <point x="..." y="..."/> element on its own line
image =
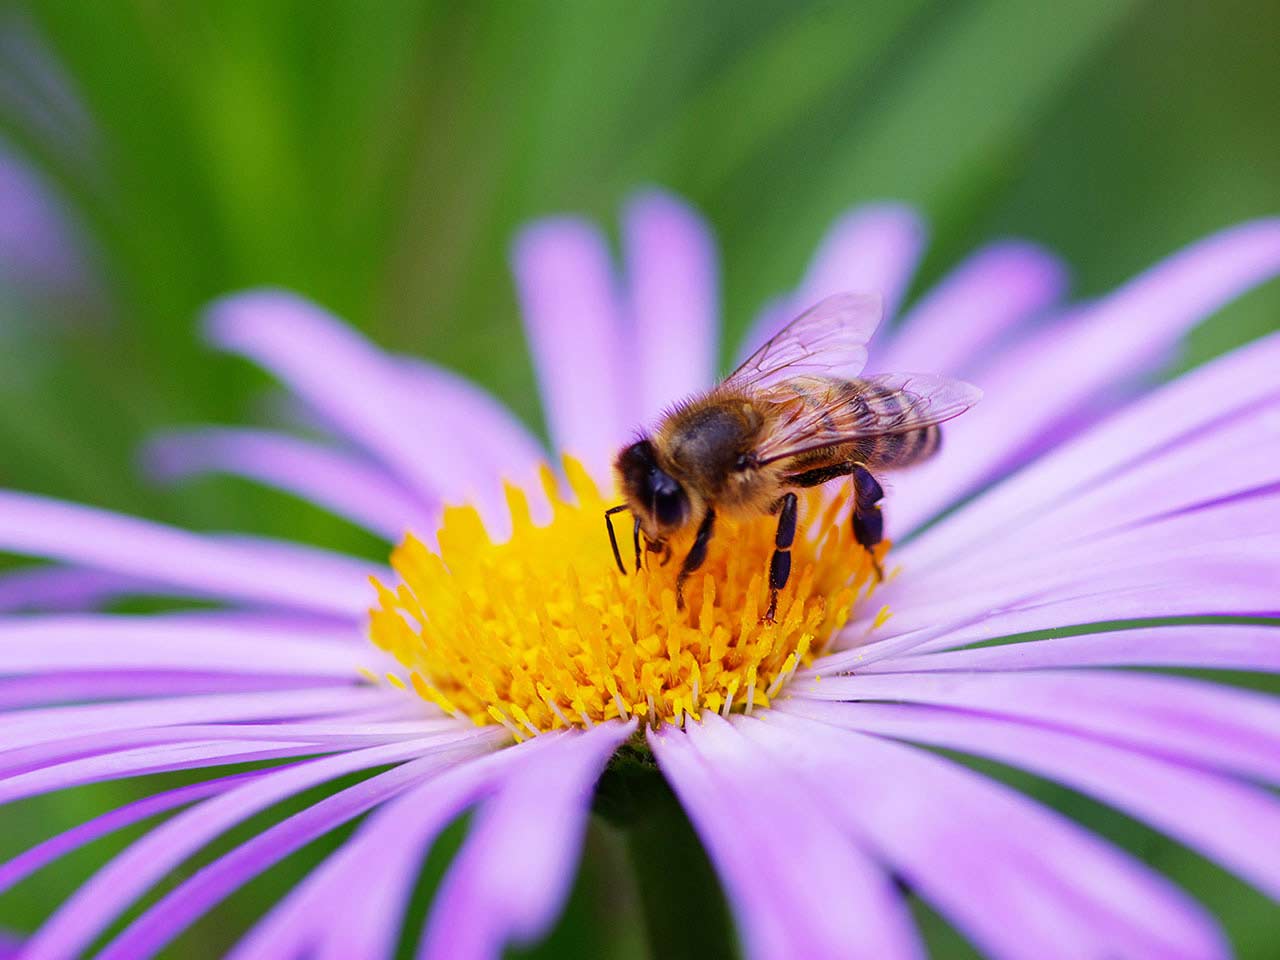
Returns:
<point x="780" y="564"/>
<point x="868" y="521"/>
<point x="696" y="555"/>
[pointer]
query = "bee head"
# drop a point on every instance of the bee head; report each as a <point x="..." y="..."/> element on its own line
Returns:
<point x="654" y="495"/>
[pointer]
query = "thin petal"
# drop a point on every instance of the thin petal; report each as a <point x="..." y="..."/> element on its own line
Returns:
<point x="311" y="579"/>
<point x="365" y="393"/>
<point x="208" y="886"/>
<point x="1204" y="646"/>
<point x="1220" y="818"/>
<point x="1218" y="727"/>
<point x="50" y="723"/>
<point x="507" y="884"/>
<point x="985" y="298"/>
<point x="93" y="906"/>
<point x="673" y="282"/>
<point x="773" y="847"/>
<point x="1193" y="407"/>
<point x="14" y="871"/>
<point x="873" y="249"/>
<point x="350" y="488"/>
<point x="1055" y="374"/>
<point x="64" y="588"/>
<point x="1045" y="881"/>
<point x="352" y="904"/>
<point x="574" y="324"/>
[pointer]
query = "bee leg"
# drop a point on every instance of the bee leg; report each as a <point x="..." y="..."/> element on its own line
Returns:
<point x="697" y="553"/>
<point x="780" y="564"/>
<point x="635" y="537"/>
<point x="868" y="521"/>
<point x="613" y="537"/>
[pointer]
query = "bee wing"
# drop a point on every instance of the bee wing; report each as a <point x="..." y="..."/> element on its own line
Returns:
<point x="885" y="404"/>
<point x="829" y="338"/>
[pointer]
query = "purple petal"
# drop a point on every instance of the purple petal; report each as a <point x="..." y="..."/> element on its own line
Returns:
<point x="365" y="393"/>
<point x="351" y="905"/>
<point x="1205" y="646"/>
<point x="71" y="686"/>
<point x="510" y="879"/>
<point x="1219" y="727"/>
<point x="87" y="912"/>
<point x="1189" y="407"/>
<point x="312" y="579"/>
<point x="873" y="249"/>
<point x="42" y="253"/>
<point x="50" y="723"/>
<point x="1057" y="373"/>
<point x="117" y="642"/>
<point x="982" y="300"/>
<point x="1218" y="817"/>
<point x="29" y="861"/>
<point x="162" y="758"/>
<point x="348" y="487"/>
<point x="773" y="847"/>
<point x="489" y="446"/>
<point x="673" y="281"/>
<point x="573" y="321"/>
<point x="1044" y="881"/>
<point x="63" y="588"/>
<point x="208" y="886"/>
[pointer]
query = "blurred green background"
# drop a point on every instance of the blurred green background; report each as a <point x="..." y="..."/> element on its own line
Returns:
<point x="377" y="156"/>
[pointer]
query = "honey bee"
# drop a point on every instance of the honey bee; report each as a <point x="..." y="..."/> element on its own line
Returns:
<point x="794" y="415"/>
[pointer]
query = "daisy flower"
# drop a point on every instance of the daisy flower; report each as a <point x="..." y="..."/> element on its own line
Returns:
<point x="1076" y="522"/>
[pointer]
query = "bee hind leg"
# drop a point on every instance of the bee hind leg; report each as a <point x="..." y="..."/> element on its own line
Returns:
<point x="868" y="521"/>
<point x="780" y="563"/>
<point x="696" y="555"/>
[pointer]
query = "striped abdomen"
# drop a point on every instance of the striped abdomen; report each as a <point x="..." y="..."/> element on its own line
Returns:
<point x="882" y="418"/>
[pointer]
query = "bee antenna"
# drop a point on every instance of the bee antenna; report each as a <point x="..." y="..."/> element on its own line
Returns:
<point x="613" y="537"/>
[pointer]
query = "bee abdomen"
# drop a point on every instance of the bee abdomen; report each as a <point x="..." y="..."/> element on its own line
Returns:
<point x="896" y="448"/>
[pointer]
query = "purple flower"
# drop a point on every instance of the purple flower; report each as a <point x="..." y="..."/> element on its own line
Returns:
<point x="1087" y="500"/>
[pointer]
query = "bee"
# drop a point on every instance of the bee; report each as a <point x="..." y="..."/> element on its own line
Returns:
<point x="796" y="414"/>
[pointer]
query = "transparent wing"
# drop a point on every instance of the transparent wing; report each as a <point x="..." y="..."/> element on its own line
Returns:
<point x="830" y="412"/>
<point x="830" y="338"/>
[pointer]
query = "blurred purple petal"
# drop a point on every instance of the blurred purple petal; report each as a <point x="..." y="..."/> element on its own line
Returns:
<point x="1020" y="880"/>
<point x="312" y="579"/>
<point x="980" y="303"/>
<point x="367" y="394"/>
<point x="1218" y="817"/>
<point x="66" y="686"/>
<point x="1210" y="724"/>
<point x="1058" y="372"/>
<point x="673" y="280"/>
<point x="86" y="913"/>
<point x="321" y="475"/>
<point x="507" y="884"/>
<point x="64" y="588"/>
<point x="773" y="846"/>
<point x="873" y="249"/>
<point x="41" y="253"/>
<point x="573" y="321"/>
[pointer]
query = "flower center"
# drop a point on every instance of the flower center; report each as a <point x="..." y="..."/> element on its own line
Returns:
<point x="542" y="631"/>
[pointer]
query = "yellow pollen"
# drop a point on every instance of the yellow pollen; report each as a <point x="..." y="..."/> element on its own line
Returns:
<point x="542" y="632"/>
